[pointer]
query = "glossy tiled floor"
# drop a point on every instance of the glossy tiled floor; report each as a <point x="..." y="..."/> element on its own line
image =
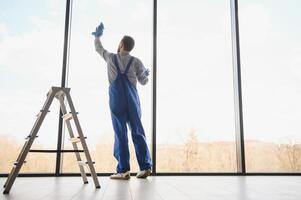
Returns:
<point x="159" y="188"/>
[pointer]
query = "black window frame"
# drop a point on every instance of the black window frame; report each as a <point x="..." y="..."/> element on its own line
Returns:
<point x="238" y="106"/>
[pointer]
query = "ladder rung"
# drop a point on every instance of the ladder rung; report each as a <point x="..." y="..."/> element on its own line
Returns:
<point x="84" y="163"/>
<point x="76" y="139"/>
<point x="29" y="136"/>
<point x="17" y="163"/>
<point x="68" y="116"/>
<point x="60" y="94"/>
<point x="41" y="111"/>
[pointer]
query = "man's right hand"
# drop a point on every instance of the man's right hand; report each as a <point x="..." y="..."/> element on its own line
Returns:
<point x="98" y="31"/>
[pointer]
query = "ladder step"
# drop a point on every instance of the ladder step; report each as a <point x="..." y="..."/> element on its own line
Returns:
<point x="41" y="111"/>
<point x="76" y="139"/>
<point x="29" y="136"/>
<point x="68" y="116"/>
<point x="17" y="163"/>
<point x="60" y="94"/>
<point x="84" y="163"/>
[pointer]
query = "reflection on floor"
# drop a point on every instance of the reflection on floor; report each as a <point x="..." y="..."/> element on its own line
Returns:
<point x="159" y="188"/>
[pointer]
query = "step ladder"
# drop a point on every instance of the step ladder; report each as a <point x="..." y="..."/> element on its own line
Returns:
<point x="59" y="93"/>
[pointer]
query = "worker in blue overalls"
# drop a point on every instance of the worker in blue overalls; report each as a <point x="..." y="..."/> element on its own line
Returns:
<point x="124" y="70"/>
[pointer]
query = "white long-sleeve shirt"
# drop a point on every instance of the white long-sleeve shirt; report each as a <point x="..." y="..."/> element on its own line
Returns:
<point x="135" y="72"/>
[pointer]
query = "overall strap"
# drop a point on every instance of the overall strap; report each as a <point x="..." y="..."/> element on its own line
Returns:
<point x="128" y="65"/>
<point x="116" y="64"/>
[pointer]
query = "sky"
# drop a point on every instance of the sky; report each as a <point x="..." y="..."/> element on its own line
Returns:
<point x="195" y="81"/>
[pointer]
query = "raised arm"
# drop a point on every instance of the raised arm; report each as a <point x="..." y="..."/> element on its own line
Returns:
<point x="98" y="46"/>
<point x="141" y="72"/>
<point x="102" y="52"/>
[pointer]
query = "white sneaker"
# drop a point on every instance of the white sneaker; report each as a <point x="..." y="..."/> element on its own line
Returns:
<point x="121" y="176"/>
<point x="144" y="173"/>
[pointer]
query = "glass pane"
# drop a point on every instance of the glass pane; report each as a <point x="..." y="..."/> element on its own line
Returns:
<point x="195" y="112"/>
<point x="271" y="77"/>
<point x="88" y="71"/>
<point x="39" y="163"/>
<point x="70" y="163"/>
<point x="31" y="46"/>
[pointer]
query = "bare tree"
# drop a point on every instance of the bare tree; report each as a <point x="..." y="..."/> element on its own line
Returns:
<point x="289" y="155"/>
<point x="191" y="151"/>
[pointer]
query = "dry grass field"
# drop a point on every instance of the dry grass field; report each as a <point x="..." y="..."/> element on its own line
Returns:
<point x="191" y="156"/>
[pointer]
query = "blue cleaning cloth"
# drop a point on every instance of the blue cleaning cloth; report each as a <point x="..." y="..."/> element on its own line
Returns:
<point x="98" y="31"/>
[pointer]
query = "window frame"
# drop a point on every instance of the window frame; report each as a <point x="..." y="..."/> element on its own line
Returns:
<point x="238" y="106"/>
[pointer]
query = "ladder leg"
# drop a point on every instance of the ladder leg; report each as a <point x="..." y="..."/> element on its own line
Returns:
<point x="21" y="158"/>
<point x="21" y="152"/>
<point x="18" y="160"/>
<point x="77" y="154"/>
<point x="83" y="141"/>
<point x="8" y="178"/>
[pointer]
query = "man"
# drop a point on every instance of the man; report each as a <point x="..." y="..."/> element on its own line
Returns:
<point x="124" y="70"/>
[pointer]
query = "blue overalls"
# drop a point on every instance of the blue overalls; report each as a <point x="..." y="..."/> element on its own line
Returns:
<point x="125" y="108"/>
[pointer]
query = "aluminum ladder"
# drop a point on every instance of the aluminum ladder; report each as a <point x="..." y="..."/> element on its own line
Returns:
<point x="59" y="93"/>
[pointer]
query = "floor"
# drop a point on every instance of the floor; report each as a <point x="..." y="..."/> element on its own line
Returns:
<point x="159" y="188"/>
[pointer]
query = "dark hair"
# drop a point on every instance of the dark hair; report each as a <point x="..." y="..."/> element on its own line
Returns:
<point x="128" y="43"/>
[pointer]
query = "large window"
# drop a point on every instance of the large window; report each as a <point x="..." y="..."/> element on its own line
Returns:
<point x="195" y="129"/>
<point x="195" y="115"/>
<point x="271" y="80"/>
<point x="31" y="41"/>
<point x="88" y="73"/>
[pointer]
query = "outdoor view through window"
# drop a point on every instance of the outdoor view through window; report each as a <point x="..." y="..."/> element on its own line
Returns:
<point x="271" y="77"/>
<point x="195" y="129"/>
<point x="31" y="41"/>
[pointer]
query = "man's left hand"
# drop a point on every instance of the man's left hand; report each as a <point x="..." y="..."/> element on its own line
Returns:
<point x="146" y="72"/>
